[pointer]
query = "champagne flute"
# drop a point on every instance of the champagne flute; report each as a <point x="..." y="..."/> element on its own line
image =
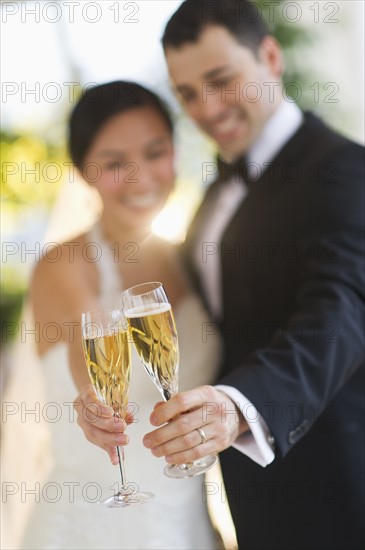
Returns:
<point x="108" y="360"/>
<point x="153" y="331"/>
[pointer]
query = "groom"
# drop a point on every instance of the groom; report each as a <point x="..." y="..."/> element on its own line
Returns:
<point x="276" y="250"/>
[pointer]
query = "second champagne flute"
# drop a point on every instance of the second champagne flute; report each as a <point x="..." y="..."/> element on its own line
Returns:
<point x="153" y="331"/>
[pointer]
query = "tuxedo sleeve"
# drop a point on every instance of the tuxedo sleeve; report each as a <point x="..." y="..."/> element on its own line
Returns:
<point x="295" y="377"/>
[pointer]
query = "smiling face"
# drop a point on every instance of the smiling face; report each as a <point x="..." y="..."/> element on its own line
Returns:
<point x="225" y="88"/>
<point x="131" y="160"/>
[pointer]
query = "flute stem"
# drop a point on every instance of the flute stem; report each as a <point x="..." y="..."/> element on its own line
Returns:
<point x="120" y="451"/>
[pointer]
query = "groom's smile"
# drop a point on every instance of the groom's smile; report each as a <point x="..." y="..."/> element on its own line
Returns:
<point x="225" y="86"/>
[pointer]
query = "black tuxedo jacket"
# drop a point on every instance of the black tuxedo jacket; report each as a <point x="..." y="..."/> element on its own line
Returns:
<point x="292" y="261"/>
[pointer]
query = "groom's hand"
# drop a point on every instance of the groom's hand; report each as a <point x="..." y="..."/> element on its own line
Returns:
<point x="99" y="424"/>
<point x="205" y="409"/>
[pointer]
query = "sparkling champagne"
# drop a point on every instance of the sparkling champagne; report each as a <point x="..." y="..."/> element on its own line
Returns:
<point x="108" y="362"/>
<point x="153" y="332"/>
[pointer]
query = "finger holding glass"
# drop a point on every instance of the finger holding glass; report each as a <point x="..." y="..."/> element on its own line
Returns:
<point x="187" y="441"/>
<point x="99" y="424"/>
<point x="108" y="359"/>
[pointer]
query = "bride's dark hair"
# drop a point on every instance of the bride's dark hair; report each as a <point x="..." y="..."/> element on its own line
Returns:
<point x="100" y="103"/>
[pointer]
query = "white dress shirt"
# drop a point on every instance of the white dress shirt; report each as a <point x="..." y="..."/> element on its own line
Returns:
<point x="257" y="443"/>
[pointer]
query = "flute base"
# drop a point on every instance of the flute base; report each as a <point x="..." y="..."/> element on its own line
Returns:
<point x="192" y="469"/>
<point x="122" y="500"/>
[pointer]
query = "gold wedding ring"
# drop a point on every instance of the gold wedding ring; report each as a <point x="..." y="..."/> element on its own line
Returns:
<point x="202" y="435"/>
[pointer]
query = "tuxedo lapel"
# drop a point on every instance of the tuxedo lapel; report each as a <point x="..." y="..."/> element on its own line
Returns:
<point x="303" y="153"/>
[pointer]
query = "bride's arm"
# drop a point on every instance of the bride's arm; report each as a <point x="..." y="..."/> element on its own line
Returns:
<point x="59" y="292"/>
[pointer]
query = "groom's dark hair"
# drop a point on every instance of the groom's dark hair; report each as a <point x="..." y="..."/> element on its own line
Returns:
<point x="241" y="18"/>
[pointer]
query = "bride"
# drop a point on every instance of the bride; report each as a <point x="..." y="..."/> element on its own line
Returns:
<point x="121" y="142"/>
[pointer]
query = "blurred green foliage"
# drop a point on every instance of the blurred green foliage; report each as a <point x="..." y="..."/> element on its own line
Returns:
<point x="11" y="300"/>
<point x="31" y="174"/>
<point x="31" y="170"/>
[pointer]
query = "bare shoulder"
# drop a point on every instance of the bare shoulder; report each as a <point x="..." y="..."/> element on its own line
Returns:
<point x="59" y="260"/>
<point x="60" y="277"/>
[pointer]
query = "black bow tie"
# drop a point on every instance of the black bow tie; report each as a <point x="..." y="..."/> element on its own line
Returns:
<point x="236" y="169"/>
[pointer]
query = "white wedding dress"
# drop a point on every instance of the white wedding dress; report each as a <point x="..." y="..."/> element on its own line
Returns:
<point x="68" y="515"/>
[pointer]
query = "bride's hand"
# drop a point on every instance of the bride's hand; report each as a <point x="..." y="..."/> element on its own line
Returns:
<point x="99" y="424"/>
